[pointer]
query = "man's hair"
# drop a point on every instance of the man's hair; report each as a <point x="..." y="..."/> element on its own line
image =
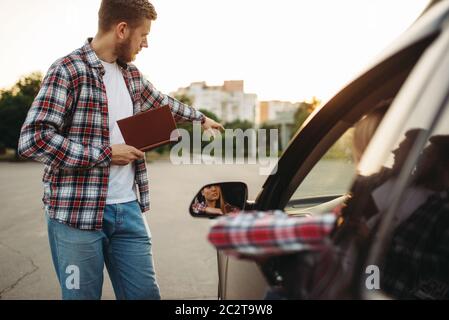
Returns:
<point x="130" y="11"/>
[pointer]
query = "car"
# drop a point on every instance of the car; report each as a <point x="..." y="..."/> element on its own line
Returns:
<point x="316" y="174"/>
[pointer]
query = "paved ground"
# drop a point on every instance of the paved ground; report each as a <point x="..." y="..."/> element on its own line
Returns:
<point x="185" y="262"/>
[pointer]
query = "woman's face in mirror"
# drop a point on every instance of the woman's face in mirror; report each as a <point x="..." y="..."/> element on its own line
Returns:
<point x="211" y="193"/>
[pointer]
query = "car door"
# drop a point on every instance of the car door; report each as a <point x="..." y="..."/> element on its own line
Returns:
<point x="316" y="170"/>
<point x="409" y="248"/>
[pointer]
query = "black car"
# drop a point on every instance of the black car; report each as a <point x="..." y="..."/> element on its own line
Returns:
<point x="402" y="196"/>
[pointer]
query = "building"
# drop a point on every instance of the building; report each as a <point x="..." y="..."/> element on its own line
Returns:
<point x="274" y="111"/>
<point x="229" y="101"/>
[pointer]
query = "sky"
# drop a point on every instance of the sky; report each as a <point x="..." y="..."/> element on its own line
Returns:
<point x="284" y="50"/>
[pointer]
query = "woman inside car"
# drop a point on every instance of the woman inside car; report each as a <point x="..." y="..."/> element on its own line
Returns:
<point x="211" y="200"/>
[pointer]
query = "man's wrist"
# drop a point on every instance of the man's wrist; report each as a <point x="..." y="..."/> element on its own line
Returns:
<point x="105" y="156"/>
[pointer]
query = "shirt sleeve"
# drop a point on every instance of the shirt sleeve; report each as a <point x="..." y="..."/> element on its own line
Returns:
<point x="199" y="207"/>
<point x="269" y="233"/>
<point x="40" y="136"/>
<point x="154" y="98"/>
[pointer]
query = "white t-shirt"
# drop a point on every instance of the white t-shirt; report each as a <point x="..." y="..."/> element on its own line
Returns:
<point x="122" y="187"/>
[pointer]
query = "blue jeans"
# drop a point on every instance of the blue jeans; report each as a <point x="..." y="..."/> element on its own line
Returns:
<point x="124" y="246"/>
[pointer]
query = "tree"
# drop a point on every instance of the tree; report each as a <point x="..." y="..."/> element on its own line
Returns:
<point x="188" y="125"/>
<point x="14" y="106"/>
<point x="303" y="112"/>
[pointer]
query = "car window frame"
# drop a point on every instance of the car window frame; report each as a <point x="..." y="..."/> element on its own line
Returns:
<point x="303" y="152"/>
<point x="389" y="84"/>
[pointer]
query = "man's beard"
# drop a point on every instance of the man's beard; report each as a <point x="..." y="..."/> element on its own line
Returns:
<point x="123" y="51"/>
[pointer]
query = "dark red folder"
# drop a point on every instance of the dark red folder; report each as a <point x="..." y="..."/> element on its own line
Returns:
<point x="149" y="129"/>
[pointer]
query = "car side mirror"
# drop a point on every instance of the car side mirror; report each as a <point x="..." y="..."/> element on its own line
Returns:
<point x="217" y="199"/>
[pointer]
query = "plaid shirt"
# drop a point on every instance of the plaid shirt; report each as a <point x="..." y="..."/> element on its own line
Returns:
<point x="417" y="262"/>
<point x="199" y="207"/>
<point x="269" y="233"/>
<point x="67" y="129"/>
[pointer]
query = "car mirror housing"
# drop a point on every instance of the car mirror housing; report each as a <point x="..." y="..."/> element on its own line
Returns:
<point x="218" y="199"/>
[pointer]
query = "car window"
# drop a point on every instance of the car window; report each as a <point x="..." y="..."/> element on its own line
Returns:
<point x="328" y="169"/>
<point x="333" y="173"/>
<point x="415" y="261"/>
<point x="398" y="205"/>
<point x="329" y="180"/>
<point x="372" y="193"/>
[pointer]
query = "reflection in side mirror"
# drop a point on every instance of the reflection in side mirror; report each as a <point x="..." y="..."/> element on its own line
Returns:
<point x="214" y="200"/>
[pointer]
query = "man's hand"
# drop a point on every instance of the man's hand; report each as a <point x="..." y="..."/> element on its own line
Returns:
<point x="211" y="125"/>
<point x="122" y="154"/>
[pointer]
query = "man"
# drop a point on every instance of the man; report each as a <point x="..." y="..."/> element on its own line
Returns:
<point x="94" y="215"/>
